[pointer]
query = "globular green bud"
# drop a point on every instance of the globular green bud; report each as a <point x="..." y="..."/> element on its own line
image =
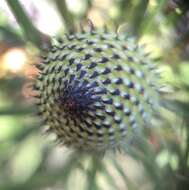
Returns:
<point x="95" y="89"/>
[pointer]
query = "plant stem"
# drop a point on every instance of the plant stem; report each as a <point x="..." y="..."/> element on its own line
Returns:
<point x="138" y="17"/>
<point x="125" y="10"/>
<point x="66" y="15"/>
<point x="91" y="174"/>
<point x="30" y="32"/>
<point x="17" y="111"/>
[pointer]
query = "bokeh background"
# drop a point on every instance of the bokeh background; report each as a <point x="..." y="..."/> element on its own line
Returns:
<point x="29" y="159"/>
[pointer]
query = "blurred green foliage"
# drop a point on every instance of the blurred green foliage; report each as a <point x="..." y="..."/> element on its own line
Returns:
<point x="158" y="160"/>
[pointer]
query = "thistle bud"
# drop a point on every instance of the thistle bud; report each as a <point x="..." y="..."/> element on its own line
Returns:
<point x="95" y="88"/>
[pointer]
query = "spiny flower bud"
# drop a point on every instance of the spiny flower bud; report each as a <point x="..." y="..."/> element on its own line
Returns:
<point x="95" y="88"/>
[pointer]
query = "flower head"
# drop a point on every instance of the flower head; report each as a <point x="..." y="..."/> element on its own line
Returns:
<point x="95" y="88"/>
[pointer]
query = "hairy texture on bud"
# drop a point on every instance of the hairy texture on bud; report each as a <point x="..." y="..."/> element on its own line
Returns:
<point x="95" y="88"/>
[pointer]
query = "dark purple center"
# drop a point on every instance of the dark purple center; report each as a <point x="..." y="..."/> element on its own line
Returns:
<point x="78" y="98"/>
<point x="70" y="105"/>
